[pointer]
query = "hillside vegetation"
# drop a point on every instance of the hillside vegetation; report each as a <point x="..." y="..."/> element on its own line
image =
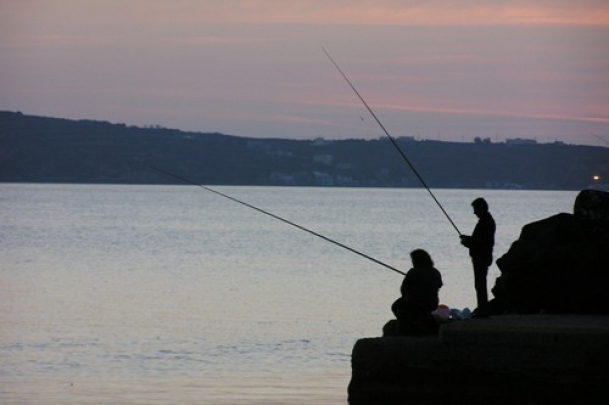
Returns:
<point x="40" y="149"/>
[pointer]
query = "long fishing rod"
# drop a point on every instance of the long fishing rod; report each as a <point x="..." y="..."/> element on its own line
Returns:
<point x="184" y="179"/>
<point x="392" y="140"/>
<point x="601" y="138"/>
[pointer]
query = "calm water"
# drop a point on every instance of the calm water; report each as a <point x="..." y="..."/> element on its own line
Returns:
<point x="174" y="295"/>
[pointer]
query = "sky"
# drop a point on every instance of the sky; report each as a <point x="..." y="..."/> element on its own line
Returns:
<point x="434" y="69"/>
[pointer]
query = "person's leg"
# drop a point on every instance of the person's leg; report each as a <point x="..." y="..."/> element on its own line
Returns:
<point x="417" y="320"/>
<point x="480" y="272"/>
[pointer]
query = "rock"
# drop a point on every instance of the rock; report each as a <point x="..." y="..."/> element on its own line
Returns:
<point x="559" y="264"/>
<point x="510" y="359"/>
<point x="592" y="208"/>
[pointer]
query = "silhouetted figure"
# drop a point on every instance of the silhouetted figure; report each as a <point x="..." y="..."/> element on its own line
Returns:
<point x="480" y="245"/>
<point x="419" y="298"/>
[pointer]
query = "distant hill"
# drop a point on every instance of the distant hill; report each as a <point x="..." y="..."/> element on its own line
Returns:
<point x="43" y="150"/>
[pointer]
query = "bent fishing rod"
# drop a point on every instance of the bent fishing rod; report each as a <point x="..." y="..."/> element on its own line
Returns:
<point x="392" y="140"/>
<point x="186" y="180"/>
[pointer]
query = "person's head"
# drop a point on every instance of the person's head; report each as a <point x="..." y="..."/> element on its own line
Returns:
<point x="480" y="206"/>
<point x="420" y="258"/>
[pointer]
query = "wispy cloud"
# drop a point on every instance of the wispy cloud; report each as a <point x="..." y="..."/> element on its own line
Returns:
<point x="403" y="12"/>
<point x="496" y="113"/>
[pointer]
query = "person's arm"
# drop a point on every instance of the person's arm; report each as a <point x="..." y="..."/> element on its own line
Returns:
<point x="406" y="284"/>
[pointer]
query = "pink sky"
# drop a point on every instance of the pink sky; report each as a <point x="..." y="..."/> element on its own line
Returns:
<point x="430" y="69"/>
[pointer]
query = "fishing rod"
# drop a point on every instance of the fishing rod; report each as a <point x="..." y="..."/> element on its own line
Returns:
<point x="186" y="180"/>
<point x="601" y="138"/>
<point x="392" y="140"/>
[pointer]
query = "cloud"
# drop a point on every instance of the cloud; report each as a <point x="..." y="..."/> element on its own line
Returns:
<point x="498" y="113"/>
<point x="400" y="12"/>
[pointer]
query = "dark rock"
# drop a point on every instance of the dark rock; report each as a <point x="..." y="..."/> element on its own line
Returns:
<point x="559" y="264"/>
<point x="592" y="208"/>
<point x="511" y="359"/>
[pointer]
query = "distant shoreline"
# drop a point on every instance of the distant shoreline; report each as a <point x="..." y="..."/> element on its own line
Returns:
<point x="52" y="150"/>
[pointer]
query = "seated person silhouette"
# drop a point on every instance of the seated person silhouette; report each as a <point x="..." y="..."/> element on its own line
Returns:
<point x="420" y="296"/>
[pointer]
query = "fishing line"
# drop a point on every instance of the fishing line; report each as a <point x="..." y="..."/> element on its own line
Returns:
<point x="391" y="139"/>
<point x="184" y="179"/>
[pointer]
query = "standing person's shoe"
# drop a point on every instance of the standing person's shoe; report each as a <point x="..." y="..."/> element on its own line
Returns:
<point x="480" y="312"/>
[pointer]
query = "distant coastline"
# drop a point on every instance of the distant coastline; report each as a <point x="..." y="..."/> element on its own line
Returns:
<point x="52" y="150"/>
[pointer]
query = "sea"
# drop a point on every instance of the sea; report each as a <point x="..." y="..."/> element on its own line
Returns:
<point x="148" y="294"/>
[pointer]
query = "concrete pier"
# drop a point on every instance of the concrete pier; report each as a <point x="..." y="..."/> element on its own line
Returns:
<point x="523" y="359"/>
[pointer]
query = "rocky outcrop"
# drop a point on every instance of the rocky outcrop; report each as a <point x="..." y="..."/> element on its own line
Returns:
<point x="509" y="359"/>
<point x="559" y="264"/>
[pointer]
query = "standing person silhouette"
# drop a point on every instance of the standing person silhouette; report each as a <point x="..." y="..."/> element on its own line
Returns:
<point x="480" y="245"/>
